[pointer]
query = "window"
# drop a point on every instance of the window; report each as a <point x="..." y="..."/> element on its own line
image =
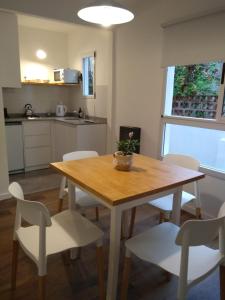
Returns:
<point x="88" y="68"/>
<point x="206" y="145"/>
<point x="192" y="91"/>
<point x="194" y="113"/>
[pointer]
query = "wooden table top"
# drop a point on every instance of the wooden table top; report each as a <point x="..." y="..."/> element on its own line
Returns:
<point x="148" y="176"/>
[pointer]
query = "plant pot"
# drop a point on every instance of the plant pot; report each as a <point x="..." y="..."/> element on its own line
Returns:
<point x="122" y="162"/>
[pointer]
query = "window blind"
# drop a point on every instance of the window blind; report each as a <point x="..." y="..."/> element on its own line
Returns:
<point x="194" y="41"/>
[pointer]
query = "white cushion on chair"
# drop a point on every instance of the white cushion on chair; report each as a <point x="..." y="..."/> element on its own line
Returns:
<point x="165" y="204"/>
<point x="157" y="245"/>
<point x="68" y="230"/>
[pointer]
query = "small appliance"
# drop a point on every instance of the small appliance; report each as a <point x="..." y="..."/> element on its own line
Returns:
<point x="66" y="75"/>
<point x="28" y="110"/>
<point x="61" y="110"/>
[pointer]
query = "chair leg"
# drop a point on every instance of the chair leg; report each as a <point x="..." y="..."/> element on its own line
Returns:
<point x="97" y="213"/>
<point x="100" y="266"/>
<point x="132" y="220"/>
<point x="60" y="205"/>
<point x="222" y="282"/>
<point x="125" y="278"/>
<point x="41" y="287"/>
<point x="14" y="263"/>
<point x="198" y="213"/>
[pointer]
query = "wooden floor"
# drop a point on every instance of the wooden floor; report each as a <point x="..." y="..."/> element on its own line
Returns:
<point x="77" y="279"/>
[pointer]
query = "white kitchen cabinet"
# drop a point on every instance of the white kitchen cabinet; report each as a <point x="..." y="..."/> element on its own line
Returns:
<point x="91" y="137"/>
<point x="69" y="138"/>
<point x="9" y="50"/>
<point x="37" y="144"/>
<point x="64" y="139"/>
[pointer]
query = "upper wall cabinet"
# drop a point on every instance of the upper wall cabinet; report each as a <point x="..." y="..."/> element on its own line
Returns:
<point x="9" y="51"/>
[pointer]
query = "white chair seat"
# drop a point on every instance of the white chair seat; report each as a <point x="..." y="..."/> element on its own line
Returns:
<point x="165" y="204"/>
<point x="83" y="199"/>
<point x="157" y="245"/>
<point x="61" y="235"/>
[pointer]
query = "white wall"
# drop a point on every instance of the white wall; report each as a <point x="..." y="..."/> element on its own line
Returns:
<point x="4" y="179"/>
<point x="83" y="40"/>
<point x="53" y="43"/>
<point x="64" y="49"/>
<point x="43" y="99"/>
<point x="139" y="80"/>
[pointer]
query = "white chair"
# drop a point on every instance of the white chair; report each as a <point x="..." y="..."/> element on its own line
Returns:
<point x="181" y="251"/>
<point x="47" y="236"/>
<point x="83" y="200"/>
<point x="165" y="204"/>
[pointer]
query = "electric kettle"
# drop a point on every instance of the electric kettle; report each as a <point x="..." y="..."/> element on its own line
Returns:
<point x="61" y="110"/>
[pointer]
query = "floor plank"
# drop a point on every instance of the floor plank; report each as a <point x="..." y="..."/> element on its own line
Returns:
<point x="78" y="279"/>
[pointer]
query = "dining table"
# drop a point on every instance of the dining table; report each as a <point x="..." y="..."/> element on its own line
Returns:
<point x="121" y="191"/>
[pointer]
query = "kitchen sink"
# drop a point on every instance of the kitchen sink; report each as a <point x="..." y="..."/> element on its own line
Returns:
<point x="89" y="121"/>
<point x="71" y="119"/>
<point x="33" y="118"/>
<point x="79" y="121"/>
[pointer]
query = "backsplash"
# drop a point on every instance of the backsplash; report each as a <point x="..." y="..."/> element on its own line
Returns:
<point x="43" y="99"/>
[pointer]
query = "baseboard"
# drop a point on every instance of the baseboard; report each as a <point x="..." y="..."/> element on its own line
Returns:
<point x="191" y="210"/>
<point x="5" y="196"/>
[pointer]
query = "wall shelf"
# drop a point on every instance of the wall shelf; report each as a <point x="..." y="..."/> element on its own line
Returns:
<point x="49" y="83"/>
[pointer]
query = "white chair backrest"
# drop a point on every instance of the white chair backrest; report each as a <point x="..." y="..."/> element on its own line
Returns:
<point x="199" y="232"/>
<point x="196" y="233"/>
<point x="35" y="213"/>
<point x="184" y="161"/>
<point x="79" y="155"/>
<point x="222" y="211"/>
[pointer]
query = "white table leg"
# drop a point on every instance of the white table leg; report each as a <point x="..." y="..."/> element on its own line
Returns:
<point x="72" y="206"/>
<point x="177" y="206"/>
<point x="114" y="253"/>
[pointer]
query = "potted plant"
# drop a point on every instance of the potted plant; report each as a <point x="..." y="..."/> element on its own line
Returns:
<point x="123" y="157"/>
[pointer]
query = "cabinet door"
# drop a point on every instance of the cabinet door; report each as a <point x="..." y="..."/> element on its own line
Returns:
<point x="34" y="128"/>
<point x="64" y="140"/>
<point x="37" y="156"/>
<point x="92" y="137"/>
<point x="37" y="144"/>
<point x="9" y="50"/>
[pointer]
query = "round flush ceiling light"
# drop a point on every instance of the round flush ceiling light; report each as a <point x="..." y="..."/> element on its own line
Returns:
<point x="41" y="54"/>
<point x="105" y="13"/>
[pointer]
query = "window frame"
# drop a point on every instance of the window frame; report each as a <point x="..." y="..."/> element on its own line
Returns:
<point x="86" y="55"/>
<point x="217" y="124"/>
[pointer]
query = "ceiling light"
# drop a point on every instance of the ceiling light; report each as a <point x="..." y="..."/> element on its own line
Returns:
<point x="105" y="13"/>
<point x="41" y="54"/>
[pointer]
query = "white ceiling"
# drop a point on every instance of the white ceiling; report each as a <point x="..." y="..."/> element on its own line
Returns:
<point x="66" y="10"/>
<point x="57" y="9"/>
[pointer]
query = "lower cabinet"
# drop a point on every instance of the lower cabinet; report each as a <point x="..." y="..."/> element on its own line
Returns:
<point x="48" y="141"/>
<point x="69" y="138"/>
<point x="64" y="140"/>
<point x="37" y="144"/>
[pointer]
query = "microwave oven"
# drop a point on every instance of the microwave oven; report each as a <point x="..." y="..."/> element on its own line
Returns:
<point x="66" y="75"/>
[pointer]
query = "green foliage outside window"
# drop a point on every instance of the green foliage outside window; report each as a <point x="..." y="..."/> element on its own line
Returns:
<point x="197" y="80"/>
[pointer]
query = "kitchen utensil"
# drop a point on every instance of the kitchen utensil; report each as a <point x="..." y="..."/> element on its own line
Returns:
<point x="28" y="110"/>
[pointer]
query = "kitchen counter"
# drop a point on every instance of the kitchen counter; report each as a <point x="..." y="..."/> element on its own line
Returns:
<point x="67" y="119"/>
